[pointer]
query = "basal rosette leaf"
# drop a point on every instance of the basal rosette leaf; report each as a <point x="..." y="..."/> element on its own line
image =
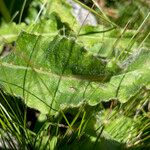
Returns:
<point x="140" y="59"/>
<point x="107" y="42"/>
<point x="37" y="77"/>
<point x="41" y="71"/>
<point x="64" y="10"/>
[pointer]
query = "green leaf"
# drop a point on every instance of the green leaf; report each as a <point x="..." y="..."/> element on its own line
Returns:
<point x="58" y="72"/>
<point x="42" y="80"/>
<point x="64" y="10"/>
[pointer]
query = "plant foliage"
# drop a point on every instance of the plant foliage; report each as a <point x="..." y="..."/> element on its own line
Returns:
<point x="66" y="86"/>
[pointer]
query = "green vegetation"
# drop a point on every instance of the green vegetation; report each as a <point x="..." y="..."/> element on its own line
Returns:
<point x="69" y="86"/>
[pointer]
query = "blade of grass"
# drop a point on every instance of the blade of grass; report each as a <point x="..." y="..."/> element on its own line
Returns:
<point x="22" y="9"/>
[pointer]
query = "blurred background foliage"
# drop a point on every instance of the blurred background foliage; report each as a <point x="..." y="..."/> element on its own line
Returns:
<point x="119" y="11"/>
<point x="19" y="10"/>
<point x="122" y="11"/>
<point x="131" y="13"/>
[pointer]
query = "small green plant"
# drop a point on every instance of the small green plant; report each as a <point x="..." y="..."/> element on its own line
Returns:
<point x="70" y="86"/>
